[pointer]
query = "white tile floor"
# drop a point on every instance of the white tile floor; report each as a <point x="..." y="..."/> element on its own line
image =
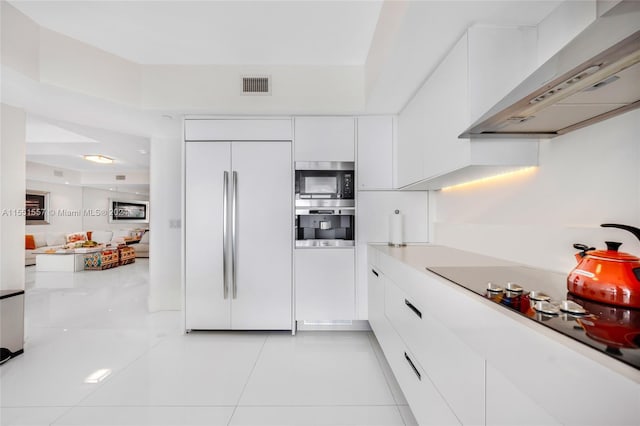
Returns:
<point x="78" y="323"/>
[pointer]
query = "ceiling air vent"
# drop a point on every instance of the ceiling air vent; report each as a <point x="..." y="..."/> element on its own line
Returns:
<point x="256" y="85"/>
<point x="121" y="177"/>
<point x="58" y="173"/>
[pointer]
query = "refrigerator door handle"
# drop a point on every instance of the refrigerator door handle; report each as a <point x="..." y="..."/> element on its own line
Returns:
<point x="234" y="228"/>
<point x="225" y="233"/>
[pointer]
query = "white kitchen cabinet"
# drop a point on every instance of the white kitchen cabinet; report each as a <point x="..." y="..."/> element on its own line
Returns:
<point x="427" y="404"/>
<point x="325" y="284"/>
<point x="372" y="222"/>
<point x="410" y="145"/>
<point x="430" y="124"/>
<point x="376" y="290"/>
<point x="324" y="138"/>
<point x="237" y="252"/>
<point x="375" y="152"/>
<point x="238" y="129"/>
<point x="474" y="76"/>
<point x="507" y="405"/>
<point x="456" y="371"/>
<point x="531" y="374"/>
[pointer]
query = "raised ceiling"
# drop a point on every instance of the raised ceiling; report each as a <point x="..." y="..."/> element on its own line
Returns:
<point x="396" y="53"/>
<point x="64" y="145"/>
<point x="217" y="32"/>
<point x="326" y="34"/>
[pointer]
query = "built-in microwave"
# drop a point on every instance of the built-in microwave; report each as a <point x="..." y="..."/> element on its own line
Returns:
<point x="324" y="180"/>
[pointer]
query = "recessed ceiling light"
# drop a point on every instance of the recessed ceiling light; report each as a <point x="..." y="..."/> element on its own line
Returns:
<point x="110" y="189"/>
<point x="99" y="159"/>
<point x="142" y="151"/>
<point x="66" y="182"/>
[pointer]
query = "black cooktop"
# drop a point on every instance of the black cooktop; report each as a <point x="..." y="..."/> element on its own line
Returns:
<point x="612" y="330"/>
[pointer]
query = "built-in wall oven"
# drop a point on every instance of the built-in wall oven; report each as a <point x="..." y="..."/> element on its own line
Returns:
<point x="325" y="205"/>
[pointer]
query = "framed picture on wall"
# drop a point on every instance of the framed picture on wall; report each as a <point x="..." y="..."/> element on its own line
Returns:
<point x="128" y="211"/>
<point x="37" y="207"/>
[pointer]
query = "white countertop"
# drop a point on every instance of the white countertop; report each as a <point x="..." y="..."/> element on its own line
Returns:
<point x="422" y="256"/>
<point x="427" y="255"/>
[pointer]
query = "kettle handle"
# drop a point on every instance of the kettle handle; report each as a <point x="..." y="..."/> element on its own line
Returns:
<point x="635" y="231"/>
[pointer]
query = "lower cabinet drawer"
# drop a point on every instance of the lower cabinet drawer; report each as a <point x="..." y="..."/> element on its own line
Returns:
<point x="455" y="369"/>
<point x="376" y="283"/>
<point x="507" y="405"/>
<point x="427" y="405"/>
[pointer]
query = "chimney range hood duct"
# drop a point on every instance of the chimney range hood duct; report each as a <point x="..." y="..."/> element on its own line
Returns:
<point x="595" y="77"/>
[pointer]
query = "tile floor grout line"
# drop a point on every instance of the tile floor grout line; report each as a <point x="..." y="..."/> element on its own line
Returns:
<point x="99" y="387"/>
<point x="248" y="378"/>
<point x="142" y="406"/>
<point x="70" y="408"/>
<point x="404" y="422"/>
<point x="380" y="364"/>
<point x="401" y="416"/>
<point x="216" y="406"/>
<point x="77" y="405"/>
<point x="45" y="406"/>
<point x="322" y="405"/>
<point x="64" y="413"/>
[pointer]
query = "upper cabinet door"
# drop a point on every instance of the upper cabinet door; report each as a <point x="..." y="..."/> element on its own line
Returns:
<point x="237" y="129"/>
<point x="375" y="153"/>
<point x="474" y="75"/>
<point x="324" y="139"/>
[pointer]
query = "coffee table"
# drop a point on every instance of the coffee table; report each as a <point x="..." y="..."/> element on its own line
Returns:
<point x="63" y="260"/>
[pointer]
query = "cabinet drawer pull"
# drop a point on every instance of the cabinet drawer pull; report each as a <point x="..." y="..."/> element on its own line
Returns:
<point x="413" y="308"/>
<point x="413" y="367"/>
<point x="374" y="272"/>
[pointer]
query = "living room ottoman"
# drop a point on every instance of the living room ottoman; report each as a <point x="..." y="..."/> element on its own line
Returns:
<point x="101" y="260"/>
<point x="127" y="254"/>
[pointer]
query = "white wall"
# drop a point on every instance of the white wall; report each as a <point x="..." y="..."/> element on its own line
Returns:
<point x="68" y="205"/>
<point x="12" y="197"/>
<point x="165" y="288"/>
<point x="95" y="199"/>
<point x="65" y="208"/>
<point x="374" y="208"/>
<point x="20" y="48"/>
<point x="45" y="173"/>
<point x="372" y="226"/>
<point x="215" y="89"/>
<point x="69" y="63"/>
<point x="587" y="177"/>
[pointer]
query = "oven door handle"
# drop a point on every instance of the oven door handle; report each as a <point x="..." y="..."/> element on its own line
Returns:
<point x="322" y="211"/>
<point x="340" y="211"/>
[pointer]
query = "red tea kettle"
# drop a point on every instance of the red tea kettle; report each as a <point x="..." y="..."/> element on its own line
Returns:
<point x="607" y="276"/>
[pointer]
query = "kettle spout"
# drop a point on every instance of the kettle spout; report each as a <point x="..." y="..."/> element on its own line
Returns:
<point x="583" y="251"/>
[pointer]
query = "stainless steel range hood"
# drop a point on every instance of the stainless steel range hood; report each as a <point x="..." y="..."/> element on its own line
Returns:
<point x="595" y="77"/>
